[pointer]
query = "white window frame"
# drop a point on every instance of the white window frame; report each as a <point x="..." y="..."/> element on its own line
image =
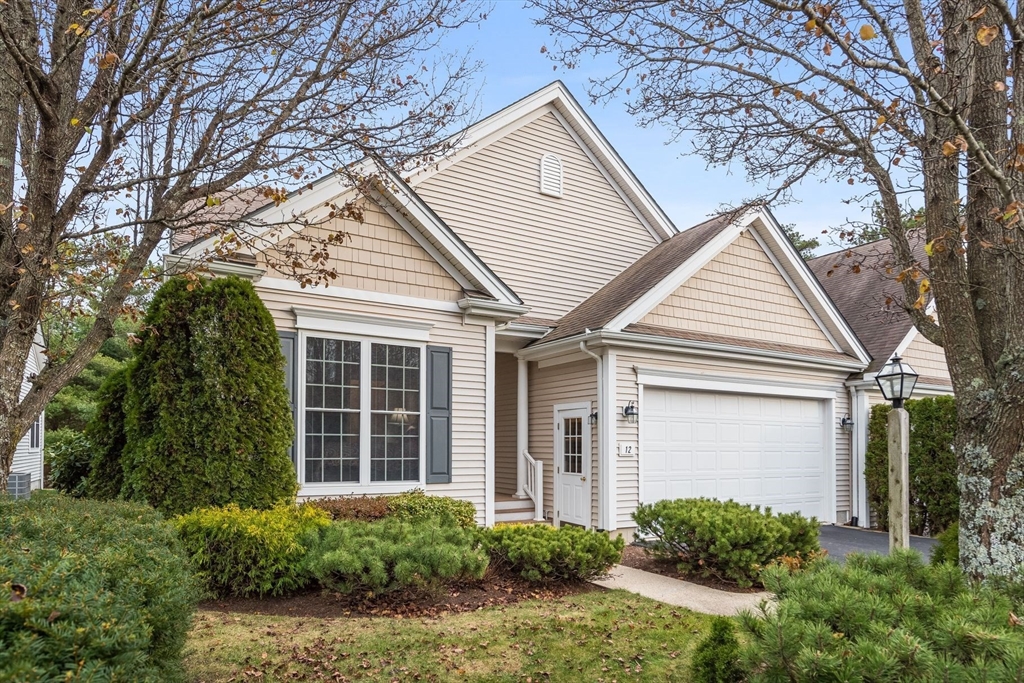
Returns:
<point x="364" y="486"/>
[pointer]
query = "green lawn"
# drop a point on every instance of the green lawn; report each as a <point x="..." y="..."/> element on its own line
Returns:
<point x="600" y="636"/>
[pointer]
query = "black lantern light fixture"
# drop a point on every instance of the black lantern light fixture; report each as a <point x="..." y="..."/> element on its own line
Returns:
<point x="896" y="380"/>
<point x="592" y="418"/>
<point x="630" y="412"/>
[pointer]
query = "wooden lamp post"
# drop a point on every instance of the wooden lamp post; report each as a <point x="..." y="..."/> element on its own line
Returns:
<point x="896" y="380"/>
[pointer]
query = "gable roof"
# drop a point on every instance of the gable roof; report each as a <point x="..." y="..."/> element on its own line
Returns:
<point x="622" y="303"/>
<point x="556" y="97"/>
<point x="861" y="296"/>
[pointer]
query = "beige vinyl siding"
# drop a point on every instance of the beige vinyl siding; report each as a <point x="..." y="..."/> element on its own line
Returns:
<point x="506" y="379"/>
<point x="628" y="473"/>
<point x="468" y="377"/>
<point x="379" y="255"/>
<point x="928" y="360"/>
<point x="740" y="293"/>
<point x="566" y="383"/>
<point x="552" y="251"/>
<point x="30" y="460"/>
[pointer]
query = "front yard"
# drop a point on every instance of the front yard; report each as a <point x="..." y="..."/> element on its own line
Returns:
<point x="595" y="636"/>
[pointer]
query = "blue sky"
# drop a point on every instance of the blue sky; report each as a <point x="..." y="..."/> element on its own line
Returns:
<point x="509" y="45"/>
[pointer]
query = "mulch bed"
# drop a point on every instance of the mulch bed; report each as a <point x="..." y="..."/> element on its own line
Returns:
<point x="495" y="589"/>
<point x="637" y="557"/>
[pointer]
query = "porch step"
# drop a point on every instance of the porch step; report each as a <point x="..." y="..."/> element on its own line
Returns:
<point x="509" y="503"/>
<point x="513" y="516"/>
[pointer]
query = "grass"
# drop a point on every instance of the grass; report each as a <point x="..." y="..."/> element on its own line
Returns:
<point x="600" y="636"/>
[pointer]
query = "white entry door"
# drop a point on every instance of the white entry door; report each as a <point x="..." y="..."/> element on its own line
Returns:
<point x="765" y="450"/>
<point x="572" y="466"/>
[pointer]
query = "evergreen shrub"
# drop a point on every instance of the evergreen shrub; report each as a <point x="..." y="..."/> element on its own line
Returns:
<point x="716" y="658"/>
<point x="393" y="554"/>
<point x="207" y="416"/>
<point x="91" y="591"/>
<point x="69" y="453"/>
<point x="934" y="490"/>
<point x="412" y="505"/>
<point x="251" y="552"/>
<point x="723" y="539"/>
<point x="881" y="618"/>
<point x="363" y="508"/>
<point x="538" y="552"/>
<point x="106" y="432"/>
<point x="948" y="547"/>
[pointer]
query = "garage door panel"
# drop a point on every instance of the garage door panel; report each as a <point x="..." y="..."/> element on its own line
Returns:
<point x="761" y="450"/>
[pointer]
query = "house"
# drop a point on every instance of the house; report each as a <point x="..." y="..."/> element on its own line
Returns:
<point x="860" y="282"/>
<point x="520" y="325"/>
<point x="27" y="467"/>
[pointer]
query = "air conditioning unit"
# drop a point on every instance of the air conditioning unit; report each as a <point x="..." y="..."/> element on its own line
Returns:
<point x="19" y="484"/>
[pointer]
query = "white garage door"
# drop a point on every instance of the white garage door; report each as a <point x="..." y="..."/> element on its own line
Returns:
<point x="764" y="450"/>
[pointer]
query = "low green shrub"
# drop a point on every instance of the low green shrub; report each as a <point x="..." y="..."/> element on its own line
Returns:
<point x="948" y="547"/>
<point x="416" y="505"/>
<point x="363" y="508"/>
<point x="91" y="591"/>
<point x="724" y="539"/>
<point x="251" y="552"/>
<point x="881" y="618"/>
<point x="716" y="658"/>
<point x="69" y="455"/>
<point x="538" y="552"/>
<point x="394" y="554"/>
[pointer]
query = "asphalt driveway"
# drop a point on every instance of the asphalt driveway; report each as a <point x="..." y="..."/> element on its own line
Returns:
<point x="840" y="540"/>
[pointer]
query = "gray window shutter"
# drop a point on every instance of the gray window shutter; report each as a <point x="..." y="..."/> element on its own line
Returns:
<point x="289" y="342"/>
<point x="439" y="415"/>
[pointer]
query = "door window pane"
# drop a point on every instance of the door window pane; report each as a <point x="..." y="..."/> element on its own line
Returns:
<point x="572" y="445"/>
<point x="395" y="419"/>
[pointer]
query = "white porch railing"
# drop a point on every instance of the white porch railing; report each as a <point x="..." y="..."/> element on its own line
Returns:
<point x="534" y="486"/>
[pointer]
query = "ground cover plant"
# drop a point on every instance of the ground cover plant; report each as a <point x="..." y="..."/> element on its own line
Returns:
<point x="597" y="636"/>
<point x="724" y="539"/>
<point x="90" y="591"/>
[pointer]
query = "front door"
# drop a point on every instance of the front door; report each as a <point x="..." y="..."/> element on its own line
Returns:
<point x="572" y="466"/>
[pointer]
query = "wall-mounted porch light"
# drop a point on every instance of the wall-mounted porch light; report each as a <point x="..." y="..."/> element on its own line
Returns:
<point x="847" y="422"/>
<point x="630" y="412"/>
<point x="592" y="418"/>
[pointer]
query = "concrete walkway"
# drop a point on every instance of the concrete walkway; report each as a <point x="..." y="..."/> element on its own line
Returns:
<point x="680" y="593"/>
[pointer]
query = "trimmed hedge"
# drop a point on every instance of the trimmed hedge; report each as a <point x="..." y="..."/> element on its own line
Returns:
<point x="724" y="539"/>
<point x="393" y="554"/>
<point x="538" y="552"/>
<point x="91" y="591"/>
<point x="251" y="552"/>
<point x="414" y="505"/>
<point x="106" y="432"/>
<point x="881" y="618"/>
<point x="934" y="491"/>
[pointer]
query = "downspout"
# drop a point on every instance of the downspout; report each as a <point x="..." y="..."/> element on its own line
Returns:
<point x="600" y="403"/>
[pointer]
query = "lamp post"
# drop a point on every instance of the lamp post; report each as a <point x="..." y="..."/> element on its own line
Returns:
<point x="896" y="380"/>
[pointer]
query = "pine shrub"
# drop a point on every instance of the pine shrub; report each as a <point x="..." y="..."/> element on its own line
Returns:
<point x="68" y="452"/>
<point x="716" y="658"/>
<point x="723" y="539"/>
<point x="538" y="552"/>
<point x="393" y="554"/>
<point x="90" y="591"/>
<point x="106" y="433"/>
<point x="251" y="552"/>
<point x="948" y="547"/>
<point x="416" y="505"/>
<point x="881" y="618"/>
<point x="934" y="490"/>
<point x="207" y="415"/>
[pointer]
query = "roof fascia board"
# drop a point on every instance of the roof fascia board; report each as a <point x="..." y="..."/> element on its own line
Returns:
<point x="654" y="296"/>
<point x="769" y="252"/>
<point x="808" y="279"/>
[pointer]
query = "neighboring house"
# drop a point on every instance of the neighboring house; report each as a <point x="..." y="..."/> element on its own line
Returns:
<point x="522" y="326"/>
<point x="861" y="282"/>
<point x="28" y="458"/>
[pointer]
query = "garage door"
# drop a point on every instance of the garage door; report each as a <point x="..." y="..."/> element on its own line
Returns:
<point x="764" y="450"/>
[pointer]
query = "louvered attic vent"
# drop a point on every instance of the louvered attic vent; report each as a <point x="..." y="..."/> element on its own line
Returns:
<point x="550" y="175"/>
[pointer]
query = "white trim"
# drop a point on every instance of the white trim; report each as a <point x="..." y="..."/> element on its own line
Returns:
<point x="792" y="286"/>
<point x="364" y="486"/>
<point x="489" y="421"/>
<point x="576" y="407"/>
<point x="831" y="496"/>
<point x="552" y="172"/>
<point x="639" y="437"/>
<point x="810" y="281"/>
<point x="669" y="379"/>
<point x="360" y="325"/>
<point x="571" y="357"/>
<point x="359" y="295"/>
<point x="607" y="425"/>
<point x="861" y="410"/>
<point x="492" y="309"/>
<point x="655" y="295"/>
<point x="176" y="263"/>
<point x="522" y="425"/>
<point x="911" y="335"/>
